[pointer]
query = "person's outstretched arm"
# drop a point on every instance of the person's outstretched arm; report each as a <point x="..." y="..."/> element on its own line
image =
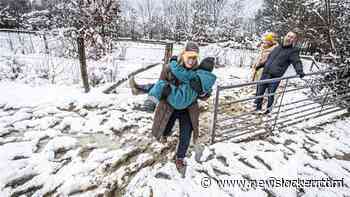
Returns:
<point x="181" y="73"/>
<point x="297" y="64"/>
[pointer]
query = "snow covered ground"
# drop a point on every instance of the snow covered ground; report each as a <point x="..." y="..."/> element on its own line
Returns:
<point x="57" y="141"/>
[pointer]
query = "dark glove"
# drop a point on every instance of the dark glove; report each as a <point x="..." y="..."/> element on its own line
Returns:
<point x="196" y="85"/>
<point x="301" y="75"/>
<point x="204" y="97"/>
<point x="259" y="66"/>
<point x="173" y="58"/>
<point x="165" y="92"/>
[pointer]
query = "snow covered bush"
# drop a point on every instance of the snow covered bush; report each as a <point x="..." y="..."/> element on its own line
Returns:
<point x="37" y="20"/>
<point x="103" y="71"/>
<point x="10" y="68"/>
<point x="11" y="12"/>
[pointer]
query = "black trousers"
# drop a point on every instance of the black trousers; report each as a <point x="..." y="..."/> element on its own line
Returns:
<point x="185" y="126"/>
<point x="185" y="131"/>
<point x="145" y="88"/>
<point x="270" y="87"/>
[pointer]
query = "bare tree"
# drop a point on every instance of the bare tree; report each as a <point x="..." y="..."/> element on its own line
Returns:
<point x="147" y="11"/>
<point x="217" y="7"/>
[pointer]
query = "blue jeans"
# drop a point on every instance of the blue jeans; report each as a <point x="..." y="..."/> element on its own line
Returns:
<point x="261" y="88"/>
<point x="185" y="131"/>
<point x="145" y="88"/>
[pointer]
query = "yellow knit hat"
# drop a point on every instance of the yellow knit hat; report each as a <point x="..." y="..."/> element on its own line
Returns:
<point x="269" y="37"/>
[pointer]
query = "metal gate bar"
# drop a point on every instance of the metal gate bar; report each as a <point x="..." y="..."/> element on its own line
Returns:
<point x="314" y="102"/>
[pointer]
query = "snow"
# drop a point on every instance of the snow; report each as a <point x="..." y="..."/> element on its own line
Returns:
<point x="296" y="166"/>
<point x="61" y="141"/>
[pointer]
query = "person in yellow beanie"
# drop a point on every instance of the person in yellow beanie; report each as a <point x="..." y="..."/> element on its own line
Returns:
<point x="269" y="37"/>
<point x="268" y="44"/>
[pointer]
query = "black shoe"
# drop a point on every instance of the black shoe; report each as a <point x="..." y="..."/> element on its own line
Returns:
<point x="268" y="111"/>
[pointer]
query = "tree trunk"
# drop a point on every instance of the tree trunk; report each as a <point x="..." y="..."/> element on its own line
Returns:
<point x="82" y="59"/>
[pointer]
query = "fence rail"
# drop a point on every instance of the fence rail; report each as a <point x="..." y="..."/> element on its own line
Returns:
<point x="297" y="101"/>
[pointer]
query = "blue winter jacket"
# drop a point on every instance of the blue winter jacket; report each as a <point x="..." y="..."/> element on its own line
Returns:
<point x="183" y="96"/>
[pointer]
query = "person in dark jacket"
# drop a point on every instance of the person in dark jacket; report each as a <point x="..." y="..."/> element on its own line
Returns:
<point x="276" y="65"/>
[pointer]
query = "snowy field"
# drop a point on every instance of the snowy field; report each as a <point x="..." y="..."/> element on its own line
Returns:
<point x="57" y="141"/>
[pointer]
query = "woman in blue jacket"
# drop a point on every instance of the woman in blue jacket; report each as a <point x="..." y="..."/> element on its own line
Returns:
<point x="165" y="115"/>
<point x="182" y="96"/>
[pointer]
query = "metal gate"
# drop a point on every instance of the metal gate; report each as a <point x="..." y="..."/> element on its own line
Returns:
<point x="296" y="100"/>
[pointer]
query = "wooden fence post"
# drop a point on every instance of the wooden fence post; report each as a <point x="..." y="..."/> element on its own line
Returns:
<point x="82" y="59"/>
<point x="46" y="45"/>
<point x="10" y="42"/>
<point x="168" y="52"/>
